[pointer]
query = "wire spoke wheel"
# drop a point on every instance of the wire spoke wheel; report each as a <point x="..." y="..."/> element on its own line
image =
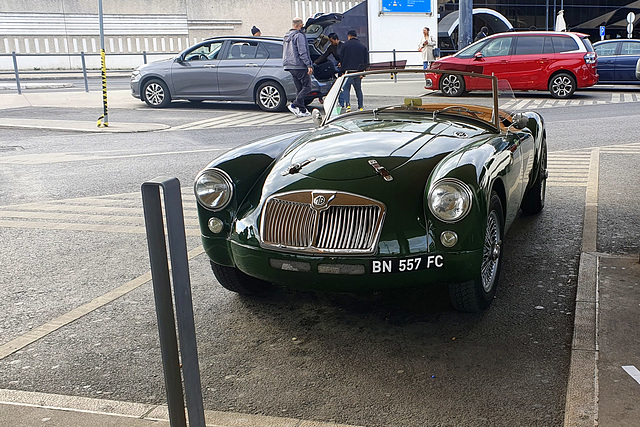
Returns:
<point x="491" y="252"/>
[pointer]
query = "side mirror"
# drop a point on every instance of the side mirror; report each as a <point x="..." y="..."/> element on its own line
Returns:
<point x="478" y="56"/>
<point x="179" y="59"/>
<point x="519" y="121"/>
<point x="316" y="117"/>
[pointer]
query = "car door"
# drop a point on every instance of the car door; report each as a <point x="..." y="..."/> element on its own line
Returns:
<point x="492" y="59"/>
<point x="238" y="68"/>
<point x="529" y="64"/>
<point x="194" y="74"/>
<point x="606" y="59"/>
<point x="625" y="62"/>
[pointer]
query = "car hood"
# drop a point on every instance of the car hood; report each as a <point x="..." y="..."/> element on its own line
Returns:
<point x="337" y="154"/>
<point x="156" y="64"/>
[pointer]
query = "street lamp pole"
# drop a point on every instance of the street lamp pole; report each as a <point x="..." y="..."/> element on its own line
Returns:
<point x="103" y="120"/>
<point x="465" y="26"/>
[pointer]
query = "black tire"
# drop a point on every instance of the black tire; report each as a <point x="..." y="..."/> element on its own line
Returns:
<point x="562" y="85"/>
<point x="155" y="93"/>
<point x="533" y="200"/>
<point x="270" y="96"/>
<point x="452" y="85"/>
<point x="235" y="280"/>
<point x="476" y="295"/>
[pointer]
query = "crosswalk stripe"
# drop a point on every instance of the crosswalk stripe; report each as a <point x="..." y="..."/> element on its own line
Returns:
<point x="115" y="213"/>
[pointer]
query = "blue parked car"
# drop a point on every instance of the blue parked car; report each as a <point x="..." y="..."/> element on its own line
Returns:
<point x="618" y="61"/>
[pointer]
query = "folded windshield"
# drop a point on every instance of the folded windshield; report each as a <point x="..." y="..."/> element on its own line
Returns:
<point x="383" y="91"/>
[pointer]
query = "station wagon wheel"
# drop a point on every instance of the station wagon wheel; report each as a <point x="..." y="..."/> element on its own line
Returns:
<point x="562" y="85"/>
<point x="452" y="85"/>
<point x="235" y="280"/>
<point x="533" y="200"/>
<point x="270" y="96"/>
<point x="156" y="94"/>
<point x="476" y="295"/>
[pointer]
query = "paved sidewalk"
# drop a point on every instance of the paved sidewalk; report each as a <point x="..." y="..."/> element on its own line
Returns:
<point x="116" y="99"/>
<point x="26" y="409"/>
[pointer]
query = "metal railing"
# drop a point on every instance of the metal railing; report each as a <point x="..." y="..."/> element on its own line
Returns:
<point x="84" y="71"/>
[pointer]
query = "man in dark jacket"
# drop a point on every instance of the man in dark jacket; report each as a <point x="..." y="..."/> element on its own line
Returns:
<point x="484" y="32"/>
<point x="323" y="68"/>
<point x="333" y="49"/>
<point x="297" y="60"/>
<point x="354" y="57"/>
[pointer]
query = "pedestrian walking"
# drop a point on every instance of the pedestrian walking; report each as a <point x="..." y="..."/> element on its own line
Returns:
<point x="426" y="46"/>
<point x="354" y="57"/>
<point x="255" y="31"/>
<point x="484" y="32"/>
<point x="297" y="61"/>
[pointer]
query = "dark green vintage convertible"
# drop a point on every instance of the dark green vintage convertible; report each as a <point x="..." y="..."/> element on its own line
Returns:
<point x="411" y="191"/>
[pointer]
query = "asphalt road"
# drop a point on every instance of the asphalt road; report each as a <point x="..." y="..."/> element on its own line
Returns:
<point x="385" y="359"/>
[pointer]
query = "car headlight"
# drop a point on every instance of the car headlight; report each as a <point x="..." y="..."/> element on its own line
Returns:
<point x="214" y="189"/>
<point x="450" y="200"/>
<point x="135" y="75"/>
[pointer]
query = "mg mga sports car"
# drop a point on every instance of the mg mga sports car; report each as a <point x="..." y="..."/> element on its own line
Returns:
<point x="411" y="191"/>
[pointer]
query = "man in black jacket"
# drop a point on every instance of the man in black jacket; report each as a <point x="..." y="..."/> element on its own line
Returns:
<point x="354" y="57"/>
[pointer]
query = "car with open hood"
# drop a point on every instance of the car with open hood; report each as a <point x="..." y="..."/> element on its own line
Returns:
<point x="231" y="68"/>
<point x="411" y="191"/>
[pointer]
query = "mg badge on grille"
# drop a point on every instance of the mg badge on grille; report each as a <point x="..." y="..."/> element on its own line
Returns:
<point x="319" y="201"/>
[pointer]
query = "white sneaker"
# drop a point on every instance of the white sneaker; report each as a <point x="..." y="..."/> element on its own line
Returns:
<point x="294" y="110"/>
<point x="305" y="114"/>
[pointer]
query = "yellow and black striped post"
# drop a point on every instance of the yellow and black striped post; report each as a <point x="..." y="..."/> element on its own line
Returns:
<point x="103" y="120"/>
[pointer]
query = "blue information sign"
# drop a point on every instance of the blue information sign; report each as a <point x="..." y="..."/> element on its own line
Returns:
<point x="601" y="30"/>
<point x="407" y="6"/>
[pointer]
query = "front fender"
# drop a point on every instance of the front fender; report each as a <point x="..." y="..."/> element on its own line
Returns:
<point x="245" y="166"/>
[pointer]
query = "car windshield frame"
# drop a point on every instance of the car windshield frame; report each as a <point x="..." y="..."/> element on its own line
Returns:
<point x="331" y="100"/>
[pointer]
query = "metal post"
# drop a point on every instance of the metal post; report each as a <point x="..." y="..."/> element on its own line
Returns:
<point x="181" y="291"/>
<point x="465" y="26"/>
<point x="394" y="75"/>
<point x="144" y="56"/>
<point x="103" y="120"/>
<point x="15" y="69"/>
<point x="547" y="20"/>
<point x="84" y="72"/>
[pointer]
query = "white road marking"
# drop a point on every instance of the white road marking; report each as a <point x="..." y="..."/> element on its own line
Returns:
<point x="633" y="371"/>
<point x="40" y="159"/>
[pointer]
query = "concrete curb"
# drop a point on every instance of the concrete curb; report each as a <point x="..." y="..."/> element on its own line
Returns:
<point x="81" y="126"/>
<point x="581" y="405"/>
<point x="67" y="408"/>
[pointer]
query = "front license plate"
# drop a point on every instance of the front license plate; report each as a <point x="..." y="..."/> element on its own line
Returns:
<point x="402" y="265"/>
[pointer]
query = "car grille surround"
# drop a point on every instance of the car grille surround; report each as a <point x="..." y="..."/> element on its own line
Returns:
<point x="317" y="222"/>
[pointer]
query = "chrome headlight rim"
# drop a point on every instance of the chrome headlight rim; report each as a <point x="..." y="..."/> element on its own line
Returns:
<point x="463" y="187"/>
<point x="225" y="178"/>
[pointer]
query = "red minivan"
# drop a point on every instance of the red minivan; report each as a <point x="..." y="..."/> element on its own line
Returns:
<point x="559" y="62"/>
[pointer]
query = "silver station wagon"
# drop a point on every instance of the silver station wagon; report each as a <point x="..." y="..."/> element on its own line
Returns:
<point x="230" y="69"/>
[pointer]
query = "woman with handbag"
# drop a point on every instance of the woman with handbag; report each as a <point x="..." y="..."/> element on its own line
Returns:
<point x="426" y="46"/>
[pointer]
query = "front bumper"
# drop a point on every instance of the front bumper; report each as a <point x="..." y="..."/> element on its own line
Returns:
<point x="352" y="274"/>
<point x="135" y="88"/>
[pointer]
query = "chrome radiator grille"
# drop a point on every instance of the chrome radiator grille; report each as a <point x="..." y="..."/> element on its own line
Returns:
<point x="322" y="222"/>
